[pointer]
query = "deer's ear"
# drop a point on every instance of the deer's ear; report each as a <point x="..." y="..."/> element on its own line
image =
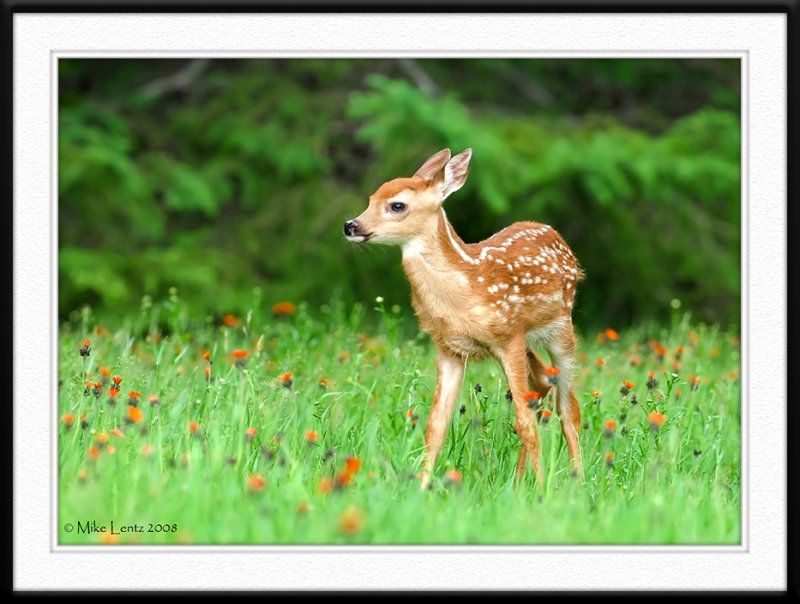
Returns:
<point x="455" y="172"/>
<point x="433" y="165"/>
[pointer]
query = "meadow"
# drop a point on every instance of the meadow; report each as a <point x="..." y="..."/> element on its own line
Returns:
<point x="294" y="425"/>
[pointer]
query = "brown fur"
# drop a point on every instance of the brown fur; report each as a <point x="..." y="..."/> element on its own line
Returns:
<point x="498" y="298"/>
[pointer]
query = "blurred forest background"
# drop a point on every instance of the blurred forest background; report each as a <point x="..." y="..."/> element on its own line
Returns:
<point x="219" y="176"/>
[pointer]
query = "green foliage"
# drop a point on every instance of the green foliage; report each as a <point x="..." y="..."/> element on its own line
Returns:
<point x="219" y="176"/>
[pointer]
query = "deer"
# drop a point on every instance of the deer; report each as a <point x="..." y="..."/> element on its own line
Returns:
<point x="503" y="297"/>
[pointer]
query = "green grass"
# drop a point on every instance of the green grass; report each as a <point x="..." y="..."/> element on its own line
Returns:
<point x="678" y="484"/>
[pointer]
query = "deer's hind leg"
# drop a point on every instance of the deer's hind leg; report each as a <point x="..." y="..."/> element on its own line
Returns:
<point x="537" y="382"/>
<point x="562" y="352"/>
<point x="513" y="360"/>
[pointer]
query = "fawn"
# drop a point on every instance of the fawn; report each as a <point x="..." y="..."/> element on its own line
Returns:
<point x="500" y="297"/>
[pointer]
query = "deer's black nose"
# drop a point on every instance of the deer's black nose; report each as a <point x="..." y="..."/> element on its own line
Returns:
<point x="350" y="227"/>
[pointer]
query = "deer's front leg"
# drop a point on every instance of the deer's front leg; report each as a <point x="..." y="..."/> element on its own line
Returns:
<point x="450" y="373"/>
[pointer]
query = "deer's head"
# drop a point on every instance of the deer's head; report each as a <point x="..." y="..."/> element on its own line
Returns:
<point x="406" y="208"/>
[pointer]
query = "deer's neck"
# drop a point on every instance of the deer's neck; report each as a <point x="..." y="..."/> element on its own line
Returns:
<point x="439" y="269"/>
<point x="440" y="248"/>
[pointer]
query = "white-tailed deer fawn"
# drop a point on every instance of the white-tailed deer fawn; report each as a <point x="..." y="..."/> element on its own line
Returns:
<point x="501" y="297"/>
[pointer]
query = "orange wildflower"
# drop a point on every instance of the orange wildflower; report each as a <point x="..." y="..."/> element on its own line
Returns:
<point x="250" y="434"/>
<point x="118" y="433"/>
<point x="609" y="458"/>
<point x="194" y="428"/>
<point x="108" y="538"/>
<point x="207" y="355"/>
<point x="532" y="398"/>
<point x="94" y="452"/>
<point x="230" y="320"/>
<point x="325" y="485"/>
<point x="135" y="415"/>
<point x="256" y="482"/>
<point x="656" y="419"/>
<point x="546" y="415"/>
<point x="611" y="334"/>
<point x="452" y="476"/>
<point x="68" y="418"/>
<point x="343" y="479"/>
<point x="240" y="357"/>
<point x="352" y="520"/>
<point x="600" y="362"/>
<point x="283" y="308"/>
<point x="352" y="465"/>
<point x="311" y="437"/>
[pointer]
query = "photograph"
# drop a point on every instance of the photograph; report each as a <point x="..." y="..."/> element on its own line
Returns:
<point x="399" y="301"/>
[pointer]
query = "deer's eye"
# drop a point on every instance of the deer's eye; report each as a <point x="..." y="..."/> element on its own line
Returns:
<point x="397" y="207"/>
